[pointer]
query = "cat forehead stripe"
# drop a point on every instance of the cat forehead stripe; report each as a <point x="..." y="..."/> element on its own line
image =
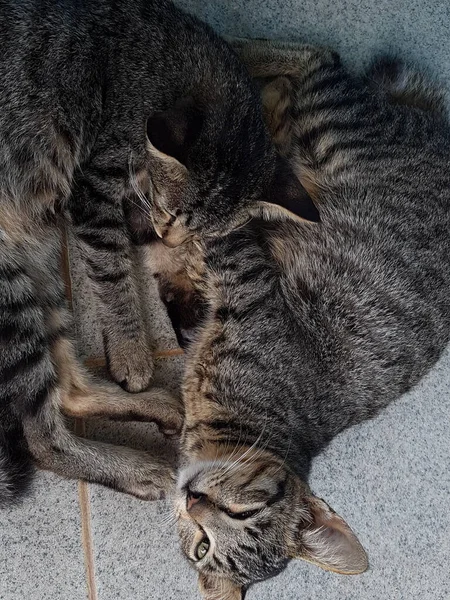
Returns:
<point x="190" y="472"/>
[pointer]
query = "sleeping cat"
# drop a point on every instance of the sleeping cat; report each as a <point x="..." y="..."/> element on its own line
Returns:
<point x="81" y="83"/>
<point x="309" y="328"/>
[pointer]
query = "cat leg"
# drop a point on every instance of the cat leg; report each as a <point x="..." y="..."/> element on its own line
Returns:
<point x="88" y="398"/>
<point x="37" y="369"/>
<point x="267" y="58"/>
<point x="280" y="67"/>
<point x="54" y="447"/>
<point x="288" y="75"/>
<point x="99" y="225"/>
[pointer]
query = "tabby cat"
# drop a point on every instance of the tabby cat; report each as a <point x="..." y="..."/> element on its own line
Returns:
<point x="309" y="328"/>
<point x="80" y="82"/>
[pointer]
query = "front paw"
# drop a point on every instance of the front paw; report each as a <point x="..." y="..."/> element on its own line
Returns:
<point x="164" y="409"/>
<point x="151" y="481"/>
<point x="130" y="364"/>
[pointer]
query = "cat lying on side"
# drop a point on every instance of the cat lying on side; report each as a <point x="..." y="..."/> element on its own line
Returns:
<point x="308" y="328"/>
<point x="82" y="84"/>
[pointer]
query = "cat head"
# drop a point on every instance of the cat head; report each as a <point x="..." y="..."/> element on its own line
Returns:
<point x="212" y="168"/>
<point x="241" y="520"/>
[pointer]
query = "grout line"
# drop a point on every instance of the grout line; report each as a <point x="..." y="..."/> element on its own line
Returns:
<point x="86" y="529"/>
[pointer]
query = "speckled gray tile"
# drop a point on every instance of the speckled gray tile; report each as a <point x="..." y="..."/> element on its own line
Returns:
<point x="136" y="550"/>
<point x="358" y="29"/>
<point x="40" y="544"/>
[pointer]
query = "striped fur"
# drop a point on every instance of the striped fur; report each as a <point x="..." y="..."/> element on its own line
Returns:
<point x="41" y="379"/>
<point x="74" y="102"/>
<point x="312" y="327"/>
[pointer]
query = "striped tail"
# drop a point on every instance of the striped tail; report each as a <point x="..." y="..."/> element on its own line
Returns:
<point x="404" y="85"/>
<point x="16" y="469"/>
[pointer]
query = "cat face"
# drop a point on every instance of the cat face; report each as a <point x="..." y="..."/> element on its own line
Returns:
<point x="241" y="520"/>
<point x="210" y="172"/>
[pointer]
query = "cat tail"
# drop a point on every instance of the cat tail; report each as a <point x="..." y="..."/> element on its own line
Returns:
<point x="405" y="85"/>
<point x="16" y="469"/>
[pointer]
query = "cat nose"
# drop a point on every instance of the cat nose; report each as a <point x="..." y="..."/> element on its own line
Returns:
<point x="192" y="499"/>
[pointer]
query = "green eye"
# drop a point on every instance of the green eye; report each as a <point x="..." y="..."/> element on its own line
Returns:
<point x="202" y="549"/>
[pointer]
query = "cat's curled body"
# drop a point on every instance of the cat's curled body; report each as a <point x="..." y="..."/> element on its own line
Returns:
<point x="80" y="80"/>
<point x="310" y="328"/>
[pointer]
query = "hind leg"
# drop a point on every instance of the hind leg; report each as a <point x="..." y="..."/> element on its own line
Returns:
<point x="87" y="398"/>
<point x="56" y="448"/>
<point x="299" y="84"/>
<point x="280" y="68"/>
<point x="267" y="59"/>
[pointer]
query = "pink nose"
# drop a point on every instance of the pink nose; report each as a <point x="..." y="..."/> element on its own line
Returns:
<point x="191" y="501"/>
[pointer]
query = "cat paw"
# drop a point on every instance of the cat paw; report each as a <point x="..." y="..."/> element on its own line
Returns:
<point x="165" y="410"/>
<point x="130" y="364"/>
<point x="152" y="481"/>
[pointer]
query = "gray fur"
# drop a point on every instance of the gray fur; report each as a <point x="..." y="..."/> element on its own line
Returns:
<point x="312" y="327"/>
<point x="79" y="82"/>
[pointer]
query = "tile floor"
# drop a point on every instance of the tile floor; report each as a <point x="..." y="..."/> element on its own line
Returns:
<point x="389" y="477"/>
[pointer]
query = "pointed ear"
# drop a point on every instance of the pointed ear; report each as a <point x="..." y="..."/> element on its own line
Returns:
<point x="174" y="131"/>
<point x="164" y="143"/>
<point x="328" y="541"/>
<point x="166" y="170"/>
<point x="215" y="588"/>
<point x="287" y="197"/>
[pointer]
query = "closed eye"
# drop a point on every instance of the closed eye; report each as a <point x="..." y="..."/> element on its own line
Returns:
<point x="241" y="516"/>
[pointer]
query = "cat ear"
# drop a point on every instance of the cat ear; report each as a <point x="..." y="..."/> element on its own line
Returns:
<point x="167" y="143"/>
<point x="173" y="132"/>
<point x="166" y="171"/>
<point x="215" y="588"/>
<point x="328" y="541"/>
<point x="287" y="197"/>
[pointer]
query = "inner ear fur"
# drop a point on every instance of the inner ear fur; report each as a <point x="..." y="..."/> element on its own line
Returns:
<point x="329" y="542"/>
<point x="286" y="197"/>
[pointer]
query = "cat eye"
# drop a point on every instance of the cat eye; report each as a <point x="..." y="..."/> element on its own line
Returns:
<point x="202" y="549"/>
<point x="246" y="514"/>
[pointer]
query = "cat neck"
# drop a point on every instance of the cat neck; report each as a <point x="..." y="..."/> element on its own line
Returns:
<point x="225" y="441"/>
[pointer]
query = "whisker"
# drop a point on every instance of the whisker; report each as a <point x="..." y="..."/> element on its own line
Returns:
<point x="135" y="185"/>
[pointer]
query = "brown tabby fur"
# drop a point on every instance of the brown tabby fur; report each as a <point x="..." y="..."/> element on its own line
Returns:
<point x="310" y="328"/>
